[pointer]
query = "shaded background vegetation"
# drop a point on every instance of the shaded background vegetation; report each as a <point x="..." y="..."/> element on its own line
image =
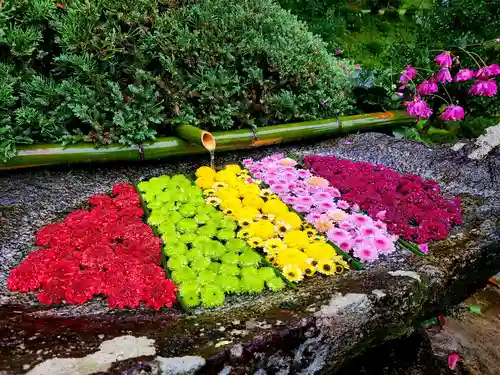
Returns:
<point x="109" y="71"/>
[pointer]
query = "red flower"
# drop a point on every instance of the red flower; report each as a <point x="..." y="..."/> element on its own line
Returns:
<point x="107" y="250"/>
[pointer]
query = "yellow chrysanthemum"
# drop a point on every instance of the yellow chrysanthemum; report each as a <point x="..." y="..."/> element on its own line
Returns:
<point x="209" y="192"/>
<point x="233" y="168"/>
<point x="205" y="172"/>
<point x="245" y="222"/>
<point x="229" y="212"/>
<point x="293" y="273"/>
<point x="266" y="193"/>
<point x="214" y="201"/>
<point x="246" y="212"/>
<point x="271" y="258"/>
<point x="274" y="207"/>
<point x="244" y="234"/>
<point x="296" y="238"/>
<point x="310" y="232"/>
<point x="320" y="250"/>
<point x="204" y="182"/>
<point x="267" y="217"/>
<point x="219" y="185"/>
<point x="263" y="228"/>
<point x="291" y="256"/>
<point x="255" y="242"/>
<point x="290" y="218"/>
<point x="273" y="197"/>
<point x="340" y="260"/>
<point x="249" y="189"/>
<point x="274" y="245"/>
<point x="232" y="203"/>
<point x="326" y="266"/>
<point x="308" y="270"/>
<point x="253" y="201"/>
<point x="282" y="228"/>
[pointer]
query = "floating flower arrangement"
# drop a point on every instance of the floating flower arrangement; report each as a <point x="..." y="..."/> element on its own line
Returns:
<point x="267" y="224"/>
<point x="205" y="257"/>
<point x="410" y="206"/>
<point x="323" y="207"/>
<point x="106" y="251"/>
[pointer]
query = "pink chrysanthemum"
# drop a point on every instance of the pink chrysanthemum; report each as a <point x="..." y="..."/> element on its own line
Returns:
<point x="337" y="235"/>
<point x="326" y="206"/>
<point x="303" y="173"/>
<point x="321" y="196"/>
<point x="366" y="253"/>
<point x="279" y="188"/>
<point x="343" y="205"/>
<point x="360" y="220"/>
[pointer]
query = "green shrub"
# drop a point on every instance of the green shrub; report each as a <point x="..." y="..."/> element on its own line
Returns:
<point x="111" y="71"/>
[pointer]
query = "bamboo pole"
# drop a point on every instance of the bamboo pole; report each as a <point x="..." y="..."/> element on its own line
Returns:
<point x="196" y="141"/>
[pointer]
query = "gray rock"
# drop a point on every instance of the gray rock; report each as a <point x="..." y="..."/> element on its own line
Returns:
<point x="296" y="336"/>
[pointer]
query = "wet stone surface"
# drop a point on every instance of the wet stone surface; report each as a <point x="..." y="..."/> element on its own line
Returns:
<point x="311" y="330"/>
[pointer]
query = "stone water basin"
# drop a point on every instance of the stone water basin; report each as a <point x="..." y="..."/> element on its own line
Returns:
<point x="313" y="329"/>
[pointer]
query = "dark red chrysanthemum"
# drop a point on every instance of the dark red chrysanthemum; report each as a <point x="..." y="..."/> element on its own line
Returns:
<point x="413" y="207"/>
<point x="107" y="250"/>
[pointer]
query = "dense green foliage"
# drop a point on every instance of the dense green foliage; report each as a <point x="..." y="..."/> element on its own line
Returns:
<point x="385" y="36"/>
<point x="112" y="71"/>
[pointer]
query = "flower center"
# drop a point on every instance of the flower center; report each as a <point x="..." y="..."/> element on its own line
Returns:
<point x="327" y="267"/>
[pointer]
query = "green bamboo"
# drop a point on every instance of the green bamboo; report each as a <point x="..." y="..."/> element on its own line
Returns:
<point x="411" y="246"/>
<point x="49" y="154"/>
<point x="196" y="136"/>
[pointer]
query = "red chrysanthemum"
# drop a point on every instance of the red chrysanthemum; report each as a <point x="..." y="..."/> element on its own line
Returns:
<point x="107" y="250"/>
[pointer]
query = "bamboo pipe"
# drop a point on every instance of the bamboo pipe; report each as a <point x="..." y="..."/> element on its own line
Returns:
<point x="198" y="141"/>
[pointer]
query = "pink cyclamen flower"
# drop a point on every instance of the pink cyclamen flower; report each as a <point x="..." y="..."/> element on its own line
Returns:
<point x="453" y="113"/>
<point x="494" y="70"/>
<point x="484" y="88"/>
<point x="423" y="248"/>
<point x="464" y="75"/>
<point x="444" y="59"/>
<point x="427" y="88"/>
<point x="408" y="74"/>
<point x="444" y="76"/>
<point x="366" y="253"/>
<point x="418" y="108"/>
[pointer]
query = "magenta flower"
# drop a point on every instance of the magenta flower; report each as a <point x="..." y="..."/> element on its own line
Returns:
<point x="453" y="113"/>
<point x="484" y="88"/>
<point x="423" y="248"/>
<point x="488" y="72"/>
<point x="427" y="88"/>
<point x="338" y="52"/>
<point x="444" y="76"/>
<point x="408" y="74"/>
<point x="497" y="40"/>
<point x="418" y="108"/>
<point x="464" y="75"/>
<point x="444" y="59"/>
